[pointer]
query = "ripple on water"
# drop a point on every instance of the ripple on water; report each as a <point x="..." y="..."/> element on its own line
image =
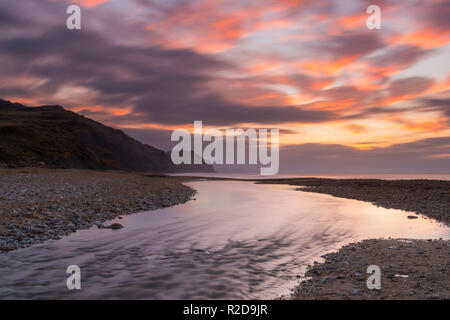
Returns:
<point x="236" y="241"/>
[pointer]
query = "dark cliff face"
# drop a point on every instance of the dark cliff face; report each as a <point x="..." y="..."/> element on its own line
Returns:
<point x="51" y="136"/>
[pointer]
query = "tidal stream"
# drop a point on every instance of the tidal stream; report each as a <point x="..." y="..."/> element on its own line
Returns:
<point x="237" y="240"/>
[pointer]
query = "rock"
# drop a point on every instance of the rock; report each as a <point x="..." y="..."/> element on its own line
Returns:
<point x="114" y="226"/>
<point x="413" y="217"/>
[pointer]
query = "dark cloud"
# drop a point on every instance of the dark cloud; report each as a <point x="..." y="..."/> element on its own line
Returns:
<point x="409" y="86"/>
<point x="421" y="156"/>
<point x="436" y="15"/>
<point x="348" y="44"/>
<point x="163" y="86"/>
<point x="437" y="104"/>
<point x="417" y="105"/>
<point x="362" y="97"/>
<point x="213" y="110"/>
<point x="398" y="55"/>
<point x="8" y="19"/>
<point x="30" y="16"/>
<point x="84" y="58"/>
<point x="415" y="157"/>
<point x="177" y="86"/>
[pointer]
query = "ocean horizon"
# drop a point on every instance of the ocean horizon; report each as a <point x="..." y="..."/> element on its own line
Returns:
<point x="383" y="176"/>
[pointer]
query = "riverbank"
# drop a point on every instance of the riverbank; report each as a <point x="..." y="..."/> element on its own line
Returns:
<point x="41" y="204"/>
<point x="425" y="263"/>
<point x="410" y="269"/>
<point x="430" y="198"/>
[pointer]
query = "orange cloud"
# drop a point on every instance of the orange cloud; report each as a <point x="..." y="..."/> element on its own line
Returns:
<point x="268" y="97"/>
<point x="155" y="126"/>
<point x="262" y="67"/>
<point x="442" y="155"/>
<point x="206" y="26"/>
<point x="211" y="26"/>
<point x="352" y="22"/>
<point x="356" y="128"/>
<point x="327" y="66"/>
<point x="91" y="3"/>
<point x="377" y="72"/>
<point x="442" y="86"/>
<point x="24" y="101"/>
<point x="431" y="125"/>
<point x="361" y="146"/>
<point x="425" y="38"/>
<point x="338" y="104"/>
<point x="103" y="109"/>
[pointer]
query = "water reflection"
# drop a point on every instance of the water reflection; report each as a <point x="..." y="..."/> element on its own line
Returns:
<point x="237" y="240"/>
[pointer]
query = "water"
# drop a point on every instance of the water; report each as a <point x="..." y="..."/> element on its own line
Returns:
<point x="238" y="240"/>
<point x="384" y="176"/>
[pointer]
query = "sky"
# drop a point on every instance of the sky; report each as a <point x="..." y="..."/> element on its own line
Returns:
<point x="345" y="98"/>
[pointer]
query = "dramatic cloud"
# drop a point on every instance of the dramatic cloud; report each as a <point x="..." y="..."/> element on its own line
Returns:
<point x="424" y="156"/>
<point x="164" y="86"/>
<point x="309" y="67"/>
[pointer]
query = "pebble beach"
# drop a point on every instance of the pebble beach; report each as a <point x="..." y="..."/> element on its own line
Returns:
<point x="410" y="269"/>
<point x="38" y="204"/>
<point x="41" y="204"/>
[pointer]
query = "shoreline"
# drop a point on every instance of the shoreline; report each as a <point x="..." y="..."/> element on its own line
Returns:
<point x="42" y="204"/>
<point x="410" y="270"/>
<point x="343" y="273"/>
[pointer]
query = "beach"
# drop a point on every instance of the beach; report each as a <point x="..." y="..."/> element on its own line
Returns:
<point x="41" y="204"/>
<point x="37" y="205"/>
<point x="410" y="269"/>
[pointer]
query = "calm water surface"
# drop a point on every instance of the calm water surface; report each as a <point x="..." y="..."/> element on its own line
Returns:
<point x="237" y="240"/>
<point x="384" y="176"/>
